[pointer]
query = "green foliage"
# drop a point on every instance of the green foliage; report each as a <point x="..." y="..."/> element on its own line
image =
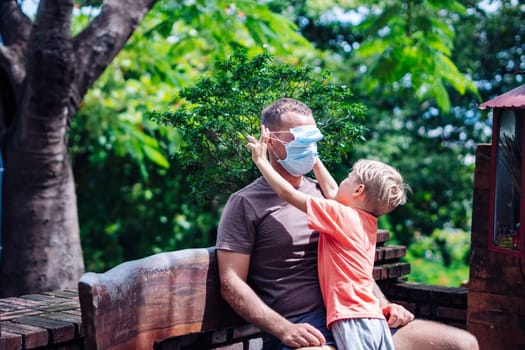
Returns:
<point x="408" y="45"/>
<point x="396" y="55"/>
<point x="423" y="154"/>
<point x="132" y="199"/>
<point x="440" y="259"/>
<point x="214" y="117"/>
<point x="125" y="217"/>
<point x="125" y="214"/>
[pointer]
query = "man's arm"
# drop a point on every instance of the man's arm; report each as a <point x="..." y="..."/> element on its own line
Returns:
<point x="233" y="270"/>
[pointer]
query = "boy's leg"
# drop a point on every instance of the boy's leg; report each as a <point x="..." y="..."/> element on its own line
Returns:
<point x="429" y="335"/>
<point x="362" y="333"/>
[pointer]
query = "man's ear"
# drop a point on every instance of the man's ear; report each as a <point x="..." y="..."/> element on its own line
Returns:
<point x="270" y="144"/>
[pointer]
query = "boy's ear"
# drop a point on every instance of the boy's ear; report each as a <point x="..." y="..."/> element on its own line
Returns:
<point x="359" y="189"/>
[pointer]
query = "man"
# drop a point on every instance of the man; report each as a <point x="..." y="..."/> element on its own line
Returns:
<point x="267" y="256"/>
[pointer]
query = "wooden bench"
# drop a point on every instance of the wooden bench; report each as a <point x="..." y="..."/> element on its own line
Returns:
<point x="172" y="301"/>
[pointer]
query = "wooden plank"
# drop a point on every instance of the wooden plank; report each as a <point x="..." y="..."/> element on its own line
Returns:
<point x="10" y="341"/>
<point x="54" y="307"/>
<point x="9" y="315"/>
<point x="59" y="331"/>
<point x="380" y="273"/>
<point x="45" y="300"/>
<point x="389" y="252"/>
<point x="19" y="302"/>
<point x="74" y="319"/>
<point x="391" y="270"/>
<point x="32" y="336"/>
<point x="66" y="294"/>
<point x="382" y="236"/>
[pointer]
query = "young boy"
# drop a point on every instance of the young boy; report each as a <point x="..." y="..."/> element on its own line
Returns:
<point x="347" y="222"/>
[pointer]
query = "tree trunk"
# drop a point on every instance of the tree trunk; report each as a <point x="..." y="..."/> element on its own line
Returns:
<point x="44" y="74"/>
<point x="41" y="237"/>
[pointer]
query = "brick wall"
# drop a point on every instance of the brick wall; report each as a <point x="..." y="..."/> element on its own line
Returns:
<point x="496" y="300"/>
<point x="438" y="303"/>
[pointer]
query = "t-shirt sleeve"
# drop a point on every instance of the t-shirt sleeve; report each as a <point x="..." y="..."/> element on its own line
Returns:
<point x="327" y="216"/>
<point x="236" y="231"/>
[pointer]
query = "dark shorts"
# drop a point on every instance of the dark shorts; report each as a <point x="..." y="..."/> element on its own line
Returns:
<point x="316" y="318"/>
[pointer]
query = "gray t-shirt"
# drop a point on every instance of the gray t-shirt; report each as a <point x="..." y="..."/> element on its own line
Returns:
<point x="283" y="263"/>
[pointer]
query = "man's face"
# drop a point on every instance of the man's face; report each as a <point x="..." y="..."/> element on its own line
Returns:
<point x="279" y="138"/>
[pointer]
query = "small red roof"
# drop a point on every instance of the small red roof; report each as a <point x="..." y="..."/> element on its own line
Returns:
<point x="515" y="98"/>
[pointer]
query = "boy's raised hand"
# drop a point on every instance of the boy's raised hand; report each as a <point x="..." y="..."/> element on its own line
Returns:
<point x="260" y="146"/>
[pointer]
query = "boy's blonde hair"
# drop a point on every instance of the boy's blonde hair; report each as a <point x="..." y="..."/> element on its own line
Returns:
<point x="384" y="187"/>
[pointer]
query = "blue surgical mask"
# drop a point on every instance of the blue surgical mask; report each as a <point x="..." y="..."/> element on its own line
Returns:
<point x="301" y="153"/>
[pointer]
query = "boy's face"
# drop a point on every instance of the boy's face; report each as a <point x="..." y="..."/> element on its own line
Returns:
<point x="350" y="189"/>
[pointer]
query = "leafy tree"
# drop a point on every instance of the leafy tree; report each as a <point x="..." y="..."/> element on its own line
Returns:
<point x="441" y="258"/>
<point x="46" y="70"/>
<point x="142" y="205"/>
<point x="409" y="69"/>
<point x="412" y="64"/>
<point x="397" y="57"/>
<point x="412" y="133"/>
<point x="215" y="115"/>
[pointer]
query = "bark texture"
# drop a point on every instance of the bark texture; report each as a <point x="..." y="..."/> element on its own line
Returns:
<point x="44" y="74"/>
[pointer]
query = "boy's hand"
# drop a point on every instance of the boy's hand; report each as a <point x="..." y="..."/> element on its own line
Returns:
<point x="396" y="315"/>
<point x="259" y="147"/>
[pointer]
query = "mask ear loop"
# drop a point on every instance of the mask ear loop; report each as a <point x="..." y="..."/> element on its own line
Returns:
<point x="282" y="132"/>
<point x="281" y="141"/>
<point x="270" y="144"/>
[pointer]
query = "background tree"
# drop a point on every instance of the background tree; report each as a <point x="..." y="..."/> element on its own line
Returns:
<point x="46" y="71"/>
<point x="424" y="124"/>
<point x="142" y="204"/>
<point x="328" y="27"/>
<point x="131" y="204"/>
<point x="214" y="117"/>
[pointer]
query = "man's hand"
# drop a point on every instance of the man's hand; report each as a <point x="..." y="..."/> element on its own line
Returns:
<point x="302" y="335"/>
<point x="396" y="315"/>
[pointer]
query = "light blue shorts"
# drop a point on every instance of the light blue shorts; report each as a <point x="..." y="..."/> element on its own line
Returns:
<point x="362" y="334"/>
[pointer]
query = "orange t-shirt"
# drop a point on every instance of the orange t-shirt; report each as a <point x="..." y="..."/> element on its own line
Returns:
<point x="346" y="249"/>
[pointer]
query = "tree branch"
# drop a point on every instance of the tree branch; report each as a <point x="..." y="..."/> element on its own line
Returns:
<point x="15" y="29"/>
<point x="102" y="40"/>
<point x="14" y="25"/>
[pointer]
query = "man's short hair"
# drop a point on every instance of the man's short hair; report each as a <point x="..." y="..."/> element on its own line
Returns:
<point x="271" y="115"/>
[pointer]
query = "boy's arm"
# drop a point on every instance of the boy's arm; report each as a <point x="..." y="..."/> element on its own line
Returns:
<point x="282" y="187"/>
<point x="325" y="179"/>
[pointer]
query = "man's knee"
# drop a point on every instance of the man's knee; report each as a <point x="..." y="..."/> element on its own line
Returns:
<point x="471" y="342"/>
<point x="423" y="334"/>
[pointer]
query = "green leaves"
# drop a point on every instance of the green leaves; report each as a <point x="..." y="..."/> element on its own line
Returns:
<point x="408" y="45"/>
<point x="214" y="116"/>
